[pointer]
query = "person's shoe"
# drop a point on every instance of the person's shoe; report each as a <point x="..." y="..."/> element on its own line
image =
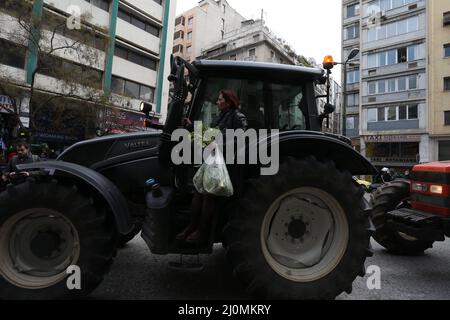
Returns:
<point x="186" y="232"/>
<point x="196" y="237"/>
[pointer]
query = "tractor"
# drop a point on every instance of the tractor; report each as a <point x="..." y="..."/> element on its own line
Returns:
<point x="301" y="233"/>
<point x="410" y="215"/>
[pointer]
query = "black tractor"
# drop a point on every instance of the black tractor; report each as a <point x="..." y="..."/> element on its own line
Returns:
<point x="302" y="233"/>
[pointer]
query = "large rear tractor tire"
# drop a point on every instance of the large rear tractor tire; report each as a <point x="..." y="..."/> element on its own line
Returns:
<point x="301" y="234"/>
<point x="45" y="228"/>
<point x="391" y="196"/>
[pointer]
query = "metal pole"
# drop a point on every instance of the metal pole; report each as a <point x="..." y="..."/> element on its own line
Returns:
<point x="344" y="102"/>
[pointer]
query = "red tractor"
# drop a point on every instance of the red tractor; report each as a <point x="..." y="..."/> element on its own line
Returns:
<point x="410" y="215"/>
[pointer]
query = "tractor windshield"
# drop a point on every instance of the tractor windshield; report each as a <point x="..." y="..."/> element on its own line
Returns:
<point x="265" y="104"/>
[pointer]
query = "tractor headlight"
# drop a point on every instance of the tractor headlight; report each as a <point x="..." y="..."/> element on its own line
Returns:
<point x="436" y="189"/>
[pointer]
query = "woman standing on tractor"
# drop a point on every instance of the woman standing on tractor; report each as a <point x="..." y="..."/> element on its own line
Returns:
<point x="203" y="206"/>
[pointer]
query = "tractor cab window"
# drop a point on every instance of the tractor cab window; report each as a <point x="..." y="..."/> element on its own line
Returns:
<point x="250" y="96"/>
<point x="265" y="104"/>
<point x="289" y="107"/>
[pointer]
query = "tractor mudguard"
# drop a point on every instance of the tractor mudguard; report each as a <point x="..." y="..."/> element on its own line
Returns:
<point x="105" y="187"/>
<point x="324" y="147"/>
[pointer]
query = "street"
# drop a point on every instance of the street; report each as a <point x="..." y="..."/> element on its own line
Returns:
<point x="137" y="274"/>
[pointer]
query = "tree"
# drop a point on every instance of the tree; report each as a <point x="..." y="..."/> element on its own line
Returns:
<point x="57" y="47"/>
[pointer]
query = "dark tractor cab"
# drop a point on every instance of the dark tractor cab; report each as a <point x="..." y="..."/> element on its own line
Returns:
<point x="301" y="232"/>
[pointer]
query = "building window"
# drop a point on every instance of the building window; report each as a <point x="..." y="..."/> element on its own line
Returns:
<point x="353" y="76"/>
<point x="132" y="89"/>
<point x="252" y="52"/>
<point x="391" y="57"/>
<point x="393" y="29"/>
<point x="102" y="4"/>
<point x="12" y="54"/>
<point x="191" y="21"/>
<point x="393" y="85"/>
<point x="447" y="84"/>
<point x="385" y="5"/>
<point x="158" y="1"/>
<point x="135" y="57"/>
<point x="352" y="32"/>
<point x="352" y="100"/>
<point x="381" y="114"/>
<point x="351" y="123"/>
<point x="233" y="57"/>
<point x="222" y="25"/>
<point x="372" y="115"/>
<point x="372" y="87"/>
<point x="352" y="10"/>
<point x="391" y="113"/>
<point x="402" y="113"/>
<point x="179" y="34"/>
<point x="413" y="112"/>
<point x="180" y="20"/>
<point x="402" y="84"/>
<point x="447" y="50"/>
<point x="224" y="8"/>
<point x="412" y="82"/>
<point x="178" y="48"/>
<point x="444" y="150"/>
<point x="447" y="18"/>
<point x="137" y="22"/>
<point x="256" y="38"/>
<point x="189" y="49"/>
<point x="58" y="68"/>
<point x="447" y="118"/>
<point x="189" y="35"/>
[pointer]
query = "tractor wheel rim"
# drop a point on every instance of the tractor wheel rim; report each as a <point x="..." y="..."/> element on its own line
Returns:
<point x="304" y="234"/>
<point x="36" y="248"/>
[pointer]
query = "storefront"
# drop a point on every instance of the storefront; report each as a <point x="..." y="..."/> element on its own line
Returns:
<point x="398" y="152"/>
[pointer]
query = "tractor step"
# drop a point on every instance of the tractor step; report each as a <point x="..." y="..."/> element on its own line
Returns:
<point x="183" y="265"/>
<point x="418" y="224"/>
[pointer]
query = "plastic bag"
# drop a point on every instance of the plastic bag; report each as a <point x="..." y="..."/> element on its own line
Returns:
<point x="212" y="177"/>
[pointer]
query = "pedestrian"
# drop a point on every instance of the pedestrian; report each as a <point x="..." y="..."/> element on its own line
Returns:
<point x="24" y="156"/>
<point x="386" y="175"/>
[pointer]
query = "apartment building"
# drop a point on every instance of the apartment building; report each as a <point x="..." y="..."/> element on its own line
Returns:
<point x="131" y="44"/>
<point x="252" y="41"/>
<point x="203" y="25"/>
<point x="439" y="79"/>
<point x="389" y="87"/>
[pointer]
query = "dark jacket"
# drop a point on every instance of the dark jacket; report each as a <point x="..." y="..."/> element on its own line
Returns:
<point x="12" y="165"/>
<point x="230" y="119"/>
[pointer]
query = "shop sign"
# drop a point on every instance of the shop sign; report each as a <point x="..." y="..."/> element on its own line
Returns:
<point x="6" y="105"/>
<point x="391" y="138"/>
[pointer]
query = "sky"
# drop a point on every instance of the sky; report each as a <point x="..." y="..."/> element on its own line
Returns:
<point x="311" y="27"/>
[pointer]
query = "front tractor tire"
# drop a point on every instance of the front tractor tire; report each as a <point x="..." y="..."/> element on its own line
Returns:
<point x="301" y="234"/>
<point x="391" y="196"/>
<point x="46" y="227"/>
